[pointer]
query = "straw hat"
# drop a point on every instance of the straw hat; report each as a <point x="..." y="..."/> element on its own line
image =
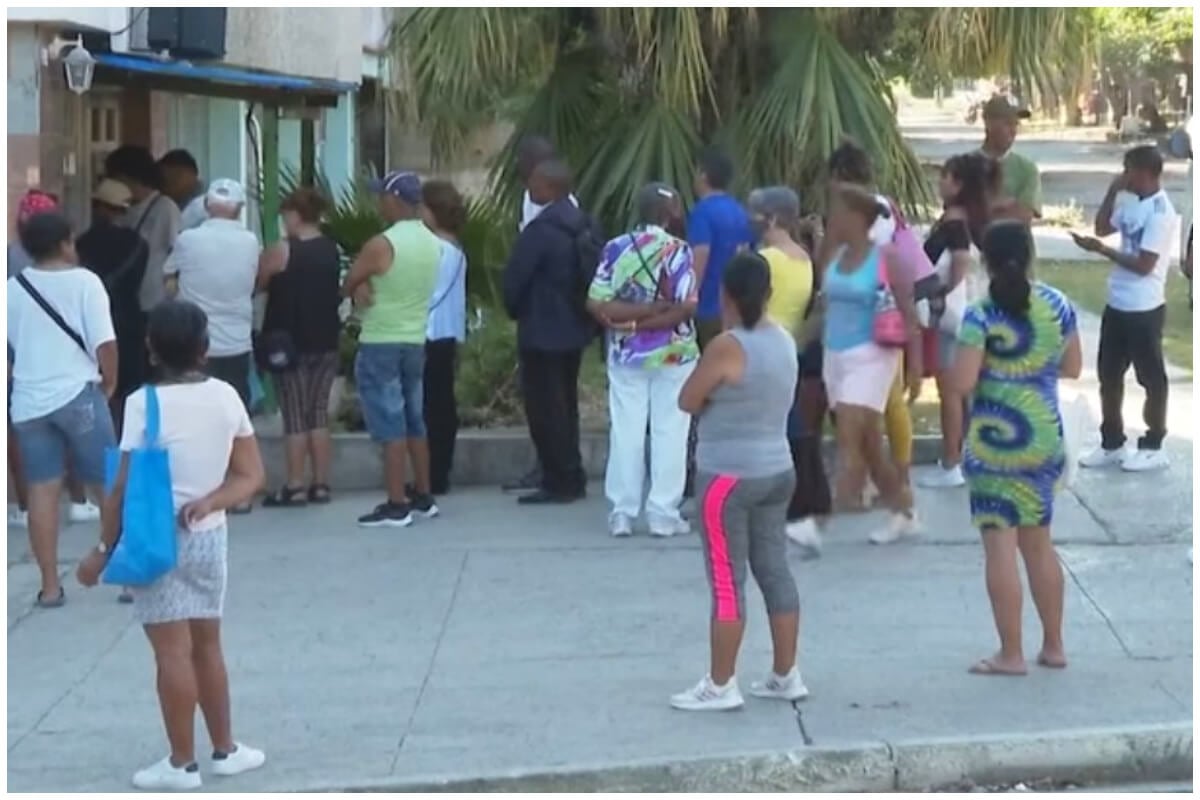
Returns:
<point x="113" y="193"/>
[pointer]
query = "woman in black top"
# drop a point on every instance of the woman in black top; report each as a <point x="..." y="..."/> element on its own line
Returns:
<point x="967" y="183"/>
<point x="301" y="276"/>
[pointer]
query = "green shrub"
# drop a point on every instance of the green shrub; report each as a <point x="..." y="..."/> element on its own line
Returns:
<point x="487" y="386"/>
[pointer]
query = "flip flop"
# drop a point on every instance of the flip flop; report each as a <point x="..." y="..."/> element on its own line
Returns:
<point x="988" y="667"/>
<point x="1042" y="661"/>
<point x="286" y="497"/>
<point x="57" y="602"/>
<point x="319" y="494"/>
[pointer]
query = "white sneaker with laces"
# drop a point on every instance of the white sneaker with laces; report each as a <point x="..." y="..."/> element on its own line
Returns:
<point x="1145" y="461"/>
<point x="1100" y="457"/>
<point x="665" y="530"/>
<point x="86" y="511"/>
<point x="707" y="696"/>
<point x="242" y="759"/>
<point x="620" y="526"/>
<point x="165" y="777"/>
<point x="805" y="533"/>
<point x="17" y="518"/>
<point x="943" y="478"/>
<point x="899" y="525"/>
<point x="781" y="687"/>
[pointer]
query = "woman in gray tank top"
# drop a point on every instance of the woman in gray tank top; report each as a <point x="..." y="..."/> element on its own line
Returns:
<point x="740" y="393"/>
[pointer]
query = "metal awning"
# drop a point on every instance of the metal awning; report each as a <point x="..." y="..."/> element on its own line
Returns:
<point x="169" y="75"/>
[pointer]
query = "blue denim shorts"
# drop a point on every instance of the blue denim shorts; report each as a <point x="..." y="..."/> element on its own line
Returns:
<point x="83" y="429"/>
<point x="390" y="387"/>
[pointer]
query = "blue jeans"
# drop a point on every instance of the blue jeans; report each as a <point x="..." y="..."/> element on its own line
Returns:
<point x="390" y="380"/>
<point x="83" y="428"/>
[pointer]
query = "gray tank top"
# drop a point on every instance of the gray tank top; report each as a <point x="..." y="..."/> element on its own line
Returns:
<point x="742" y="432"/>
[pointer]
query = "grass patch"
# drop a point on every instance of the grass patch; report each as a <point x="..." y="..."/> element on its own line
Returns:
<point x="1086" y="283"/>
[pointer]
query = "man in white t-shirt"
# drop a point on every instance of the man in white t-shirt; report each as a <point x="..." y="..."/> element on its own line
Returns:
<point x="1131" y="331"/>
<point x="63" y="366"/>
<point x="215" y="265"/>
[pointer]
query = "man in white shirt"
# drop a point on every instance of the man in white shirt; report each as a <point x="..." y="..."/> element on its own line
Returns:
<point x="1131" y="331"/>
<point x="214" y="265"/>
<point x="181" y="182"/>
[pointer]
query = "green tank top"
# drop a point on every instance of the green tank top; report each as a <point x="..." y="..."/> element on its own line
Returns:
<point x="398" y="314"/>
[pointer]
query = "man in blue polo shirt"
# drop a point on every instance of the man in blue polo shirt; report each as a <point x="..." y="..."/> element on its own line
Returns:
<point x="717" y="228"/>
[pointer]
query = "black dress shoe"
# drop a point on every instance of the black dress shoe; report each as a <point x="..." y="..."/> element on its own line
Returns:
<point x="528" y="482"/>
<point x="543" y="497"/>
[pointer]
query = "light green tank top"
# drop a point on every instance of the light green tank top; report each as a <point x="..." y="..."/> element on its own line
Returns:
<point x="402" y="293"/>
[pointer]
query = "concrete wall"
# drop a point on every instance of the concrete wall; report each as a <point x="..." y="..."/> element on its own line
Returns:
<point x="309" y="42"/>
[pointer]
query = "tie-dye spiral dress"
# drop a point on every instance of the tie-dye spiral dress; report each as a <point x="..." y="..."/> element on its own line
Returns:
<point x="1014" y="455"/>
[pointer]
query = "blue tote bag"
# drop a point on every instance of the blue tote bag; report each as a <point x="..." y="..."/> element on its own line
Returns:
<point x="147" y="547"/>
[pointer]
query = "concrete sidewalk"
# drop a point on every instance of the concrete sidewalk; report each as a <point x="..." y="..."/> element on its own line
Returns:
<point x="498" y="640"/>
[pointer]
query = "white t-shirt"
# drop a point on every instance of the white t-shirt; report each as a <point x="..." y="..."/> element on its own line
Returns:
<point x="49" y="368"/>
<point x="1146" y="224"/>
<point x="217" y="264"/>
<point x="530" y="209"/>
<point x="197" y="425"/>
<point x="448" y="304"/>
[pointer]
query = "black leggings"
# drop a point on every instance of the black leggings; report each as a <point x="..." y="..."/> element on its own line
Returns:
<point x="441" y="410"/>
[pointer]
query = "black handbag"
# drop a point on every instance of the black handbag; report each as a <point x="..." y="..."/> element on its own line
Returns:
<point x="275" y="351"/>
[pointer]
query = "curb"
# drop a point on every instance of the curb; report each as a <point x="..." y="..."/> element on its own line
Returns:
<point x="1136" y="754"/>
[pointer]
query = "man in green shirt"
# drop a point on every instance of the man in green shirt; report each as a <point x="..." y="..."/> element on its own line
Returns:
<point x="392" y="281"/>
<point x="1020" y="195"/>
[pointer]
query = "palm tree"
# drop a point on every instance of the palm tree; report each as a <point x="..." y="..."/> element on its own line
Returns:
<point x="630" y="94"/>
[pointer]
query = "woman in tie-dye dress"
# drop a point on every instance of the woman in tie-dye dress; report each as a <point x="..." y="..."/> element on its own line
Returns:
<point x="1014" y="346"/>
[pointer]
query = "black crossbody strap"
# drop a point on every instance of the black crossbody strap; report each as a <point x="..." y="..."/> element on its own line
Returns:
<point x="52" y="313"/>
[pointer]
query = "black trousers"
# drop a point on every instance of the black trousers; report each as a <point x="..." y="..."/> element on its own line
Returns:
<point x="550" y="388"/>
<point x="234" y="370"/>
<point x="1132" y="337"/>
<point x="441" y="410"/>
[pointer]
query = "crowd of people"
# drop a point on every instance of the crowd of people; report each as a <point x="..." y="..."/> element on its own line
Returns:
<point x="734" y="337"/>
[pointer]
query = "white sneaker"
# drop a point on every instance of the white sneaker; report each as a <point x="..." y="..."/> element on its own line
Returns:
<point x="781" y="687"/>
<point x="86" y="511"/>
<point x="1146" y="461"/>
<point x="805" y="533"/>
<point x="17" y="518"/>
<point x="899" y="525"/>
<point x="943" y="478"/>
<point x="666" y="530"/>
<point x="1103" y="458"/>
<point x="707" y="696"/>
<point x="869" y="495"/>
<point x="620" y="526"/>
<point x="243" y="759"/>
<point x="164" y="777"/>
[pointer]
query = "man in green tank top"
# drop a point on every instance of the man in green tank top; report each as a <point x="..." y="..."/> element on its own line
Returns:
<point x="391" y="282"/>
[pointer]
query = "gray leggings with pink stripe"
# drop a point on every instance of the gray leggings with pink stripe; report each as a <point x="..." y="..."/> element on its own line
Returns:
<point x="743" y="520"/>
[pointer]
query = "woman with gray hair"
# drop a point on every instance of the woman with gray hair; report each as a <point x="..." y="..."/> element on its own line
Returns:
<point x="775" y="216"/>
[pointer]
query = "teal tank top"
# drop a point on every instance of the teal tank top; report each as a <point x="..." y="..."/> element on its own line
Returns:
<point x="850" y="300"/>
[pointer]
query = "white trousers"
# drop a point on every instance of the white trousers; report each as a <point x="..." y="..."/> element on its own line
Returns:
<point x="638" y="396"/>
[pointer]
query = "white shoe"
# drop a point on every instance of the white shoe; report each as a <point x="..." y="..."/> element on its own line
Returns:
<point x="243" y="759"/>
<point x="805" y="533"/>
<point x="164" y="777"/>
<point x="899" y="525"/>
<point x="781" y="687"/>
<point x="17" y="518"/>
<point x="1103" y="458"/>
<point x="943" y="478"/>
<point x="620" y="526"/>
<point x="707" y="696"/>
<point x="1146" y="461"/>
<point x="869" y="495"/>
<point x="86" y="511"/>
<point x="678" y="527"/>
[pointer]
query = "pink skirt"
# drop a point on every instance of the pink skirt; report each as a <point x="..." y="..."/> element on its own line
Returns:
<point x="861" y="376"/>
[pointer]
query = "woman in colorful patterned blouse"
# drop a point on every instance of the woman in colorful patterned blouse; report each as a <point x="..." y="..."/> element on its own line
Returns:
<point x="1013" y="347"/>
<point x="644" y="293"/>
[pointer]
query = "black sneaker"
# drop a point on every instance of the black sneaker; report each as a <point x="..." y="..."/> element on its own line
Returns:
<point x="387" y="515"/>
<point x="528" y="482"/>
<point x="423" y="504"/>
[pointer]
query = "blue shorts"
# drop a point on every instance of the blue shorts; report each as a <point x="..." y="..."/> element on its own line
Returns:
<point x="83" y="428"/>
<point x="390" y="381"/>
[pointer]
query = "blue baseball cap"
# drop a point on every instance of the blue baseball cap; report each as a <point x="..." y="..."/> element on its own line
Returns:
<point x="401" y="184"/>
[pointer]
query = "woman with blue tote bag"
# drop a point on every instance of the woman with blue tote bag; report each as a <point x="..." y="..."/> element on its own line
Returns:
<point x="191" y="433"/>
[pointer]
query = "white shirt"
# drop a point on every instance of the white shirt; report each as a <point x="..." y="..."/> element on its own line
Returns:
<point x="217" y="264"/>
<point x="197" y="425"/>
<point x="49" y="369"/>
<point x="448" y="304"/>
<point x="530" y="209"/>
<point x="1145" y="224"/>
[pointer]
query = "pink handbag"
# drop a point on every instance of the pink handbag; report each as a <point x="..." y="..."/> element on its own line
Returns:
<point x="889" y="328"/>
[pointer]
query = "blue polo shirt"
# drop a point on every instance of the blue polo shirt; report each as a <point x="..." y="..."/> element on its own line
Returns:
<point x="720" y="222"/>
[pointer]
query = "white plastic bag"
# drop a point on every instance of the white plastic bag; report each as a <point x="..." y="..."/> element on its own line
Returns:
<point x="1076" y="419"/>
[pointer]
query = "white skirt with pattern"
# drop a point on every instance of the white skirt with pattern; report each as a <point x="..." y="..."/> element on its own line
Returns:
<point x="195" y="589"/>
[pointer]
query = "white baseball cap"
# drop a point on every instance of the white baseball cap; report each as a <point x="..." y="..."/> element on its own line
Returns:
<point x="225" y="191"/>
